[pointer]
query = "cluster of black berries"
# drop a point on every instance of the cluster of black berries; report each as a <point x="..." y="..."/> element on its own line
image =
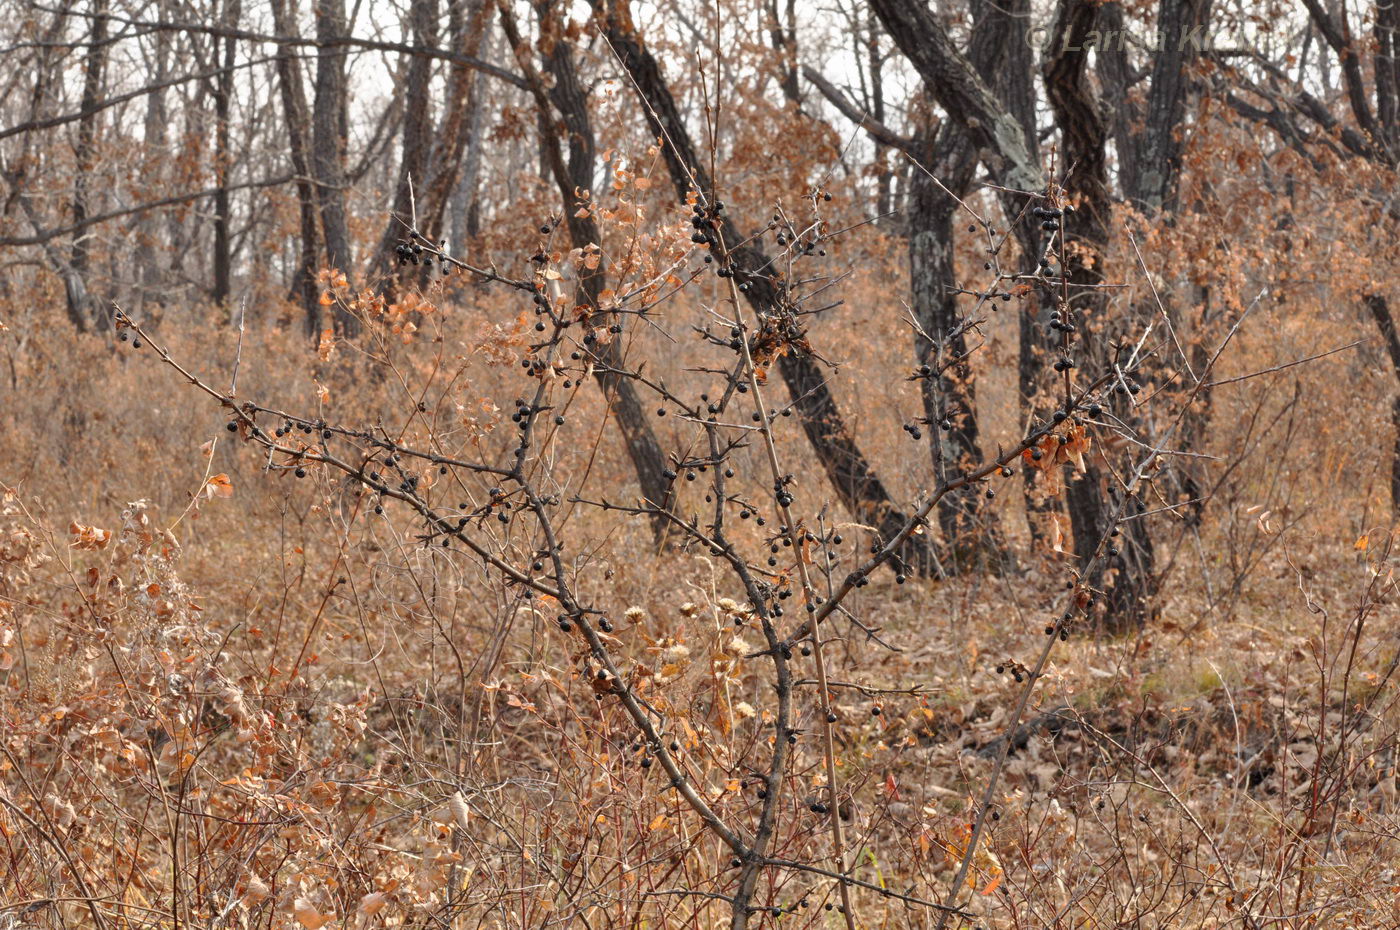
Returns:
<point x="1049" y="217"/>
<point x="781" y="494"/>
<point x="691" y="467"/>
<point x="1060" y="321"/>
<point x="524" y="411"/>
<point x="414" y="252"/>
<point x="499" y="500"/>
<point x="731" y="342"/>
<point x="1061" y="629"/>
<point x="287" y="428"/>
<point x="408" y="484"/>
<point x="1017" y="670"/>
<point x="800" y="245"/>
<point x="535" y="366"/>
<point x="706" y="222"/>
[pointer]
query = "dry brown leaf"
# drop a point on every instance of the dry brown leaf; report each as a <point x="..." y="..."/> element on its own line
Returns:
<point x="460" y="812"/>
<point x="88" y="537"/>
<point x="218" y="486"/>
<point x="307" y="915"/>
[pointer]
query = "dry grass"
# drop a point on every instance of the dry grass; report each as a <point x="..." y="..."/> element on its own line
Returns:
<point x="279" y="708"/>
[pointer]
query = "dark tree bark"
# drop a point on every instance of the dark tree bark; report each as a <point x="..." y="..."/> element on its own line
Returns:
<point x="146" y="226"/>
<point x="1117" y="79"/>
<point x="1009" y="68"/>
<point x="970" y="533"/>
<point x="848" y="470"/>
<point x="875" y="67"/>
<point x="466" y="202"/>
<point x="1152" y="184"/>
<point x="946" y="161"/>
<point x="1385" y="322"/>
<point x="1386" y="68"/>
<point x="1127" y="578"/>
<point x="784" y="41"/>
<point x="294" y="108"/>
<point x="461" y="121"/>
<point x="223" y="101"/>
<point x="1003" y="133"/>
<point x="1156" y="150"/>
<point x="328" y="146"/>
<point x="416" y="142"/>
<point x="568" y="99"/>
<point x="949" y="395"/>
<point x="80" y="303"/>
<point x="1337" y="32"/>
<point x="1378" y="141"/>
<point x="954" y="82"/>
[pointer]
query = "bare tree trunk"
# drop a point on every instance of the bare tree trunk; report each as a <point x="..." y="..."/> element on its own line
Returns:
<point x="1386" y="67"/>
<point x="223" y="101"/>
<point x="466" y="203"/>
<point x="848" y="470"/>
<point x="154" y="134"/>
<point x="298" y="116"/>
<point x="80" y="303"/>
<point x="328" y="146"/>
<point x="784" y="41"/>
<point x="940" y="347"/>
<point x="874" y="63"/>
<point x="1336" y="30"/>
<point x="416" y="145"/>
<point x="1127" y="576"/>
<point x="1004" y="136"/>
<point x="460" y="128"/>
<point x="1385" y="322"/>
<point x="956" y="85"/>
<point x="568" y="98"/>
<point x="1008" y="67"/>
<point x="1156" y="152"/>
<point x="1116" y="78"/>
<point x="970" y="531"/>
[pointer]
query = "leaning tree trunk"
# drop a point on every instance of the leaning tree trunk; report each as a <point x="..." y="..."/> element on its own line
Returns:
<point x="1008" y="68"/>
<point x="567" y="96"/>
<point x="971" y="90"/>
<point x="848" y="470"/>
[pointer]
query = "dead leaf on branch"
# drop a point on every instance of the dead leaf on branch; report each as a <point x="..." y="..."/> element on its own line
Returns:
<point x="88" y="537"/>
<point x="1054" y="450"/>
<point x="218" y="486"/>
